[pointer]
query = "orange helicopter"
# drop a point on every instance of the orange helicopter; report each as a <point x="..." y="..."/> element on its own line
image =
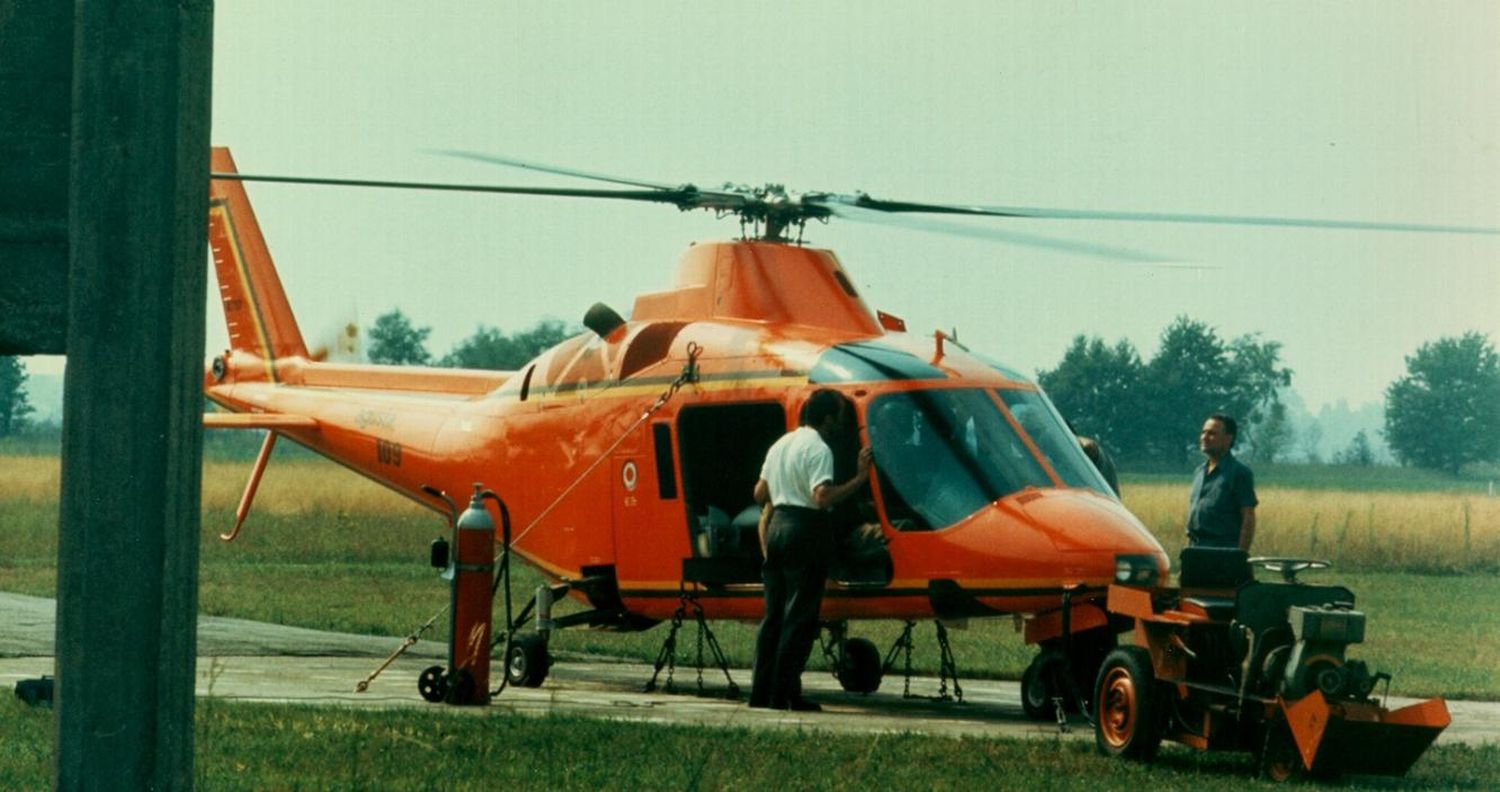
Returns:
<point x="627" y="454"/>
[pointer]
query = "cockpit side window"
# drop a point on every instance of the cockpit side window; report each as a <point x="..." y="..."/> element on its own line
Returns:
<point x="1046" y="428"/>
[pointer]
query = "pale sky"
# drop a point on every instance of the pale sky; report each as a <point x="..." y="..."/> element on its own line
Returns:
<point x="1355" y="111"/>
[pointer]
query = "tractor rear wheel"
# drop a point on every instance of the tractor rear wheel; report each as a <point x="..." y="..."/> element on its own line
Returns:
<point x="861" y="669"/>
<point x="1127" y="707"/>
<point x="527" y="662"/>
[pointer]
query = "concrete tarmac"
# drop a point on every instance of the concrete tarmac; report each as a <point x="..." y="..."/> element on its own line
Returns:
<point x="251" y="661"/>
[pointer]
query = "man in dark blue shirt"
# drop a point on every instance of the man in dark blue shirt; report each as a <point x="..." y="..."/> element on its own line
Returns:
<point x="1221" y="506"/>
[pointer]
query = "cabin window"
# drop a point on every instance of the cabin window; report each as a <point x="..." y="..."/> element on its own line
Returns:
<point x="526" y="381"/>
<point x="666" y="477"/>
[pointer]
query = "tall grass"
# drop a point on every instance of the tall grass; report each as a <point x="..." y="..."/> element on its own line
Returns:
<point x="1431" y="531"/>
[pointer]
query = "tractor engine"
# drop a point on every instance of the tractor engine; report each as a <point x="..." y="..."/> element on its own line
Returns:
<point x="1315" y="660"/>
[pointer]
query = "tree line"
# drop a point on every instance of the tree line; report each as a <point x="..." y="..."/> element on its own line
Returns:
<point x="394" y="340"/>
<point x="1443" y="414"/>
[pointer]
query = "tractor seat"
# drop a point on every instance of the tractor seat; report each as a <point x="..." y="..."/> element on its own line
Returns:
<point x="1217" y="608"/>
<point x="1213" y="568"/>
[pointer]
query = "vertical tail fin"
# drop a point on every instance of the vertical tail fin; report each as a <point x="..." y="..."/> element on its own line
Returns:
<point x="256" y="310"/>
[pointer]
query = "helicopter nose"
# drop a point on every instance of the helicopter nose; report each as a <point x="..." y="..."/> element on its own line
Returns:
<point x="1090" y="531"/>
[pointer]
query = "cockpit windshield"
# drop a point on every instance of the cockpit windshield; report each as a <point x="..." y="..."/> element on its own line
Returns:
<point x="945" y="454"/>
<point x="1041" y="421"/>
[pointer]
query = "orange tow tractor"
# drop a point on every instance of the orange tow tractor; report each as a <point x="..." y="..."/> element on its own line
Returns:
<point x="1226" y="662"/>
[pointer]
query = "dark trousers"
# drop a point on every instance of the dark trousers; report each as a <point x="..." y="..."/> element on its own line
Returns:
<point x="799" y="544"/>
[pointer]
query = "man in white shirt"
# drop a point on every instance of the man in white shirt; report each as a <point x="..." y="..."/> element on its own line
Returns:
<point x="797" y="480"/>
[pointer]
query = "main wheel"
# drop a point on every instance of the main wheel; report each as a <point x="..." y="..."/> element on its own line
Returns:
<point x="1039" y="686"/>
<point x="1127" y="708"/>
<point x="861" y="670"/>
<point x="527" y="663"/>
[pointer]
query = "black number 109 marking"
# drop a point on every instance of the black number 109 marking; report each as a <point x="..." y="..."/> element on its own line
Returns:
<point x="388" y="452"/>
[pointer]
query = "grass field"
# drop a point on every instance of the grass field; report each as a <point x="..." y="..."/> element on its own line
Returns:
<point x="328" y="550"/>
<point x="256" y="747"/>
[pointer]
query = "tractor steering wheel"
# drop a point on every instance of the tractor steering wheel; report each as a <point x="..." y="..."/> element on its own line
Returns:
<point x="1288" y="567"/>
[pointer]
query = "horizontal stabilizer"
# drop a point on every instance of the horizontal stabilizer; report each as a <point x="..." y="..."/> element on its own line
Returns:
<point x="257" y="421"/>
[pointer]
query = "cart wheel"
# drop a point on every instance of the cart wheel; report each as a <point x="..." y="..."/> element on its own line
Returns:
<point x="1040" y="684"/>
<point x="460" y="687"/>
<point x="432" y="685"/>
<point x="1279" y="759"/>
<point x="861" y="671"/>
<point x="1126" y="710"/>
<point x="527" y="663"/>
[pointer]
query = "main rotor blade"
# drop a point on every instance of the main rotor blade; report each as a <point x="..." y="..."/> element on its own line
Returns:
<point x="537" y="166"/>
<point x="895" y="218"/>
<point x="686" y="199"/>
<point x="1041" y="213"/>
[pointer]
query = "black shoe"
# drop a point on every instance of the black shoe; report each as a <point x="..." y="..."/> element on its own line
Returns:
<point x="800" y="704"/>
<point x="761" y="704"/>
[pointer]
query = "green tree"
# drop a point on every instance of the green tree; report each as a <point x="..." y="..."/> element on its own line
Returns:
<point x="1445" y="413"/>
<point x="1099" y="389"/>
<point x="1195" y="374"/>
<point x="489" y="348"/>
<point x="1358" y="452"/>
<point x="1273" y="435"/>
<point x="14" y="406"/>
<point x="395" y="341"/>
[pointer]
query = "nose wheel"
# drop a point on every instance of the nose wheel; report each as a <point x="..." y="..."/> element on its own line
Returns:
<point x="527" y="661"/>
<point x="1043" y="684"/>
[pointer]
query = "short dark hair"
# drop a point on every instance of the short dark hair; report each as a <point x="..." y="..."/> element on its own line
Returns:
<point x="1231" y="426"/>
<point x="821" y="405"/>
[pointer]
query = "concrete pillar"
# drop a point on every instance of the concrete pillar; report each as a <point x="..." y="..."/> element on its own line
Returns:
<point x="132" y="427"/>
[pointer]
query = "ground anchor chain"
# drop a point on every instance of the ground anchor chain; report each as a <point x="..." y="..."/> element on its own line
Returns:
<point x="947" y="667"/>
<point x="903" y="644"/>
<point x="706" y="635"/>
<point x="667" y="657"/>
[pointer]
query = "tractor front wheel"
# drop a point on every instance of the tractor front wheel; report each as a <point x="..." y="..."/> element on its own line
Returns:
<point x="1127" y="708"/>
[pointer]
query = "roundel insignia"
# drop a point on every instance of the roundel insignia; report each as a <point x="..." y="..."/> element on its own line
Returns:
<point x="629" y="475"/>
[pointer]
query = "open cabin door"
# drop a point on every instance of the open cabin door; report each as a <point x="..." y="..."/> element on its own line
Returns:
<point x="723" y="447"/>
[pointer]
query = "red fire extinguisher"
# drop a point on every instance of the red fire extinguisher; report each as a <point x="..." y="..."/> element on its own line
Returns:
<point x="468" y="676"/>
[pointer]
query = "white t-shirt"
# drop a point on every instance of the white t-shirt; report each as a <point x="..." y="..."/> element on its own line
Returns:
<point x="795" y="466"/>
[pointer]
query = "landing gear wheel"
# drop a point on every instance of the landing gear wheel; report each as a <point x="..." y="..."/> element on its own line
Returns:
<point x="1039" y="685"/>
<point x="432" y="684"/>
<point x="526" y="662"/>
<point x="861" y="670"/>
<point x="1127" y="721"/>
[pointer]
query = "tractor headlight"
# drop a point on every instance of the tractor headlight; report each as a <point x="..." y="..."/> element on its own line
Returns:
<point x="1135" y="570"/>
